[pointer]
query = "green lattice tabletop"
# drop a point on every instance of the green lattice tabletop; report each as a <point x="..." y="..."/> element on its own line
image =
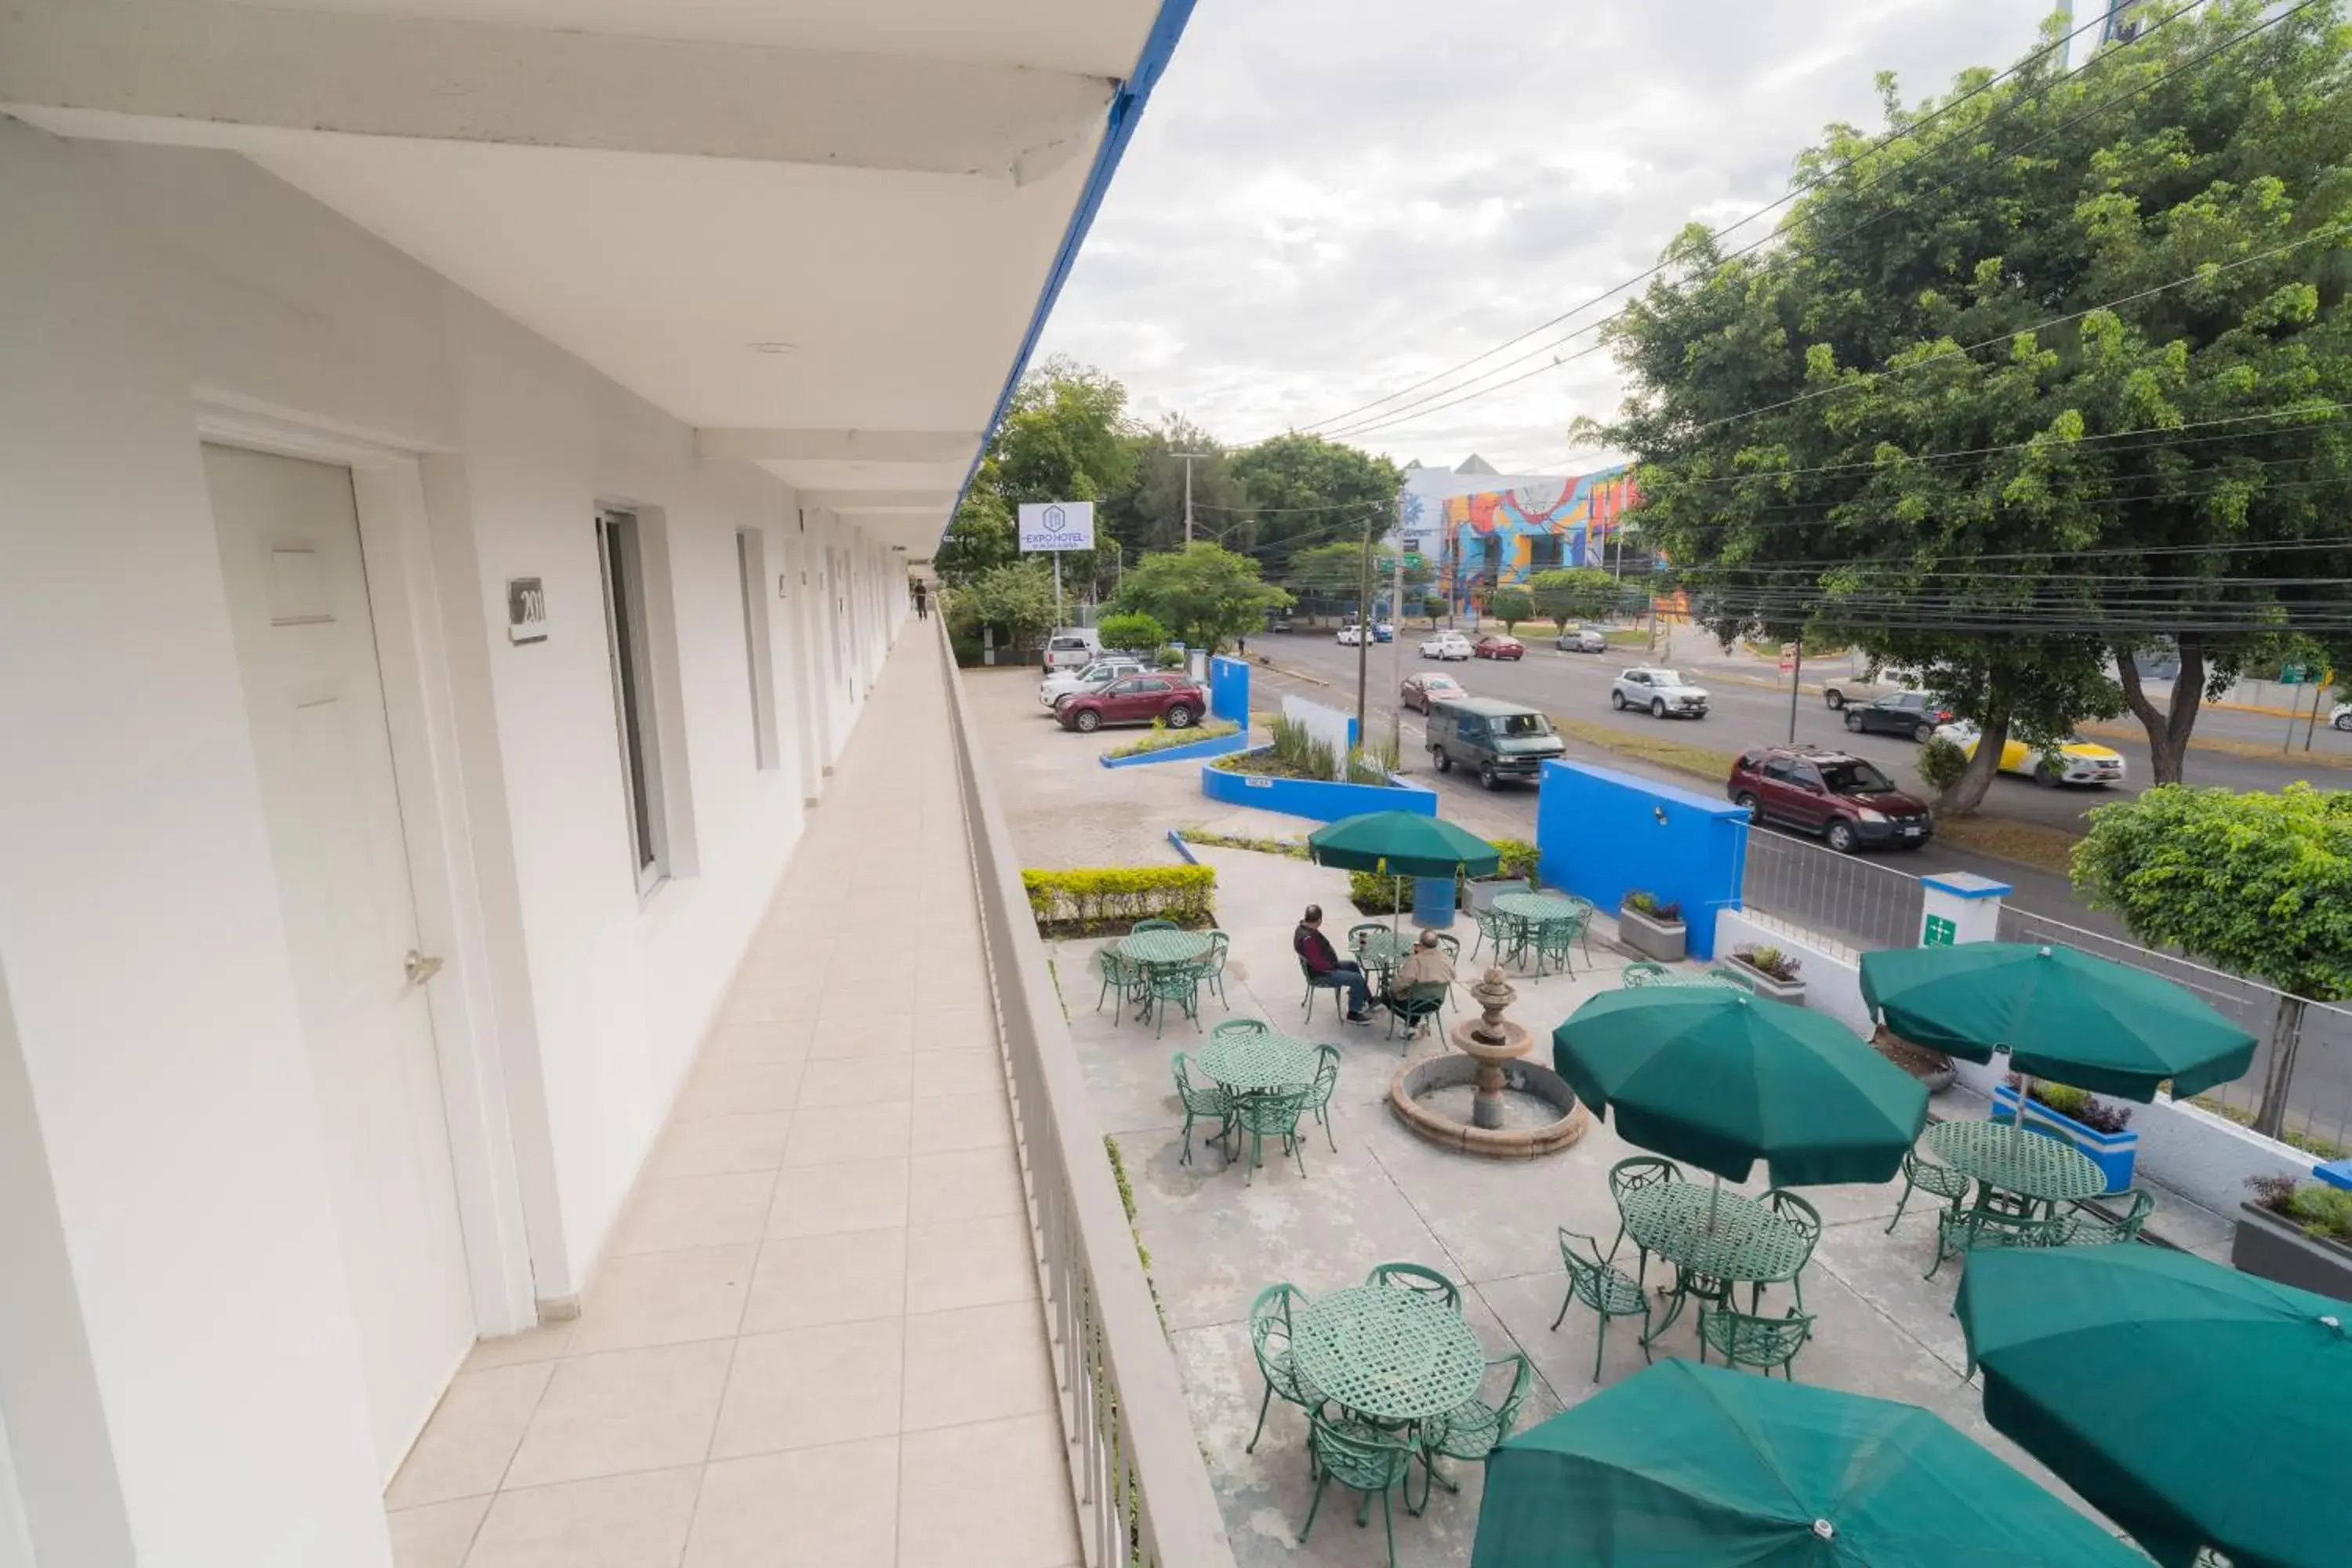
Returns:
<point x="1720" y="1235"/>
<point x="1384" y="949"/>
<point x="1641" y="974"/>
<point x="1388" y="1353"/>
<point x="1164" y="946"/>
<point x="1257" y="1060"/>
<point x="1541" y="908"/>
<point x="2014" y="1159"/>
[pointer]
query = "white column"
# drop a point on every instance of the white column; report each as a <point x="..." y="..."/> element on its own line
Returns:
<point x="1960" y="907"/>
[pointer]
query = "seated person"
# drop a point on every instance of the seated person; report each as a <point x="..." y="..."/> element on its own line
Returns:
<point x="1314" y="950"/>
<point x="1426" y="964"/>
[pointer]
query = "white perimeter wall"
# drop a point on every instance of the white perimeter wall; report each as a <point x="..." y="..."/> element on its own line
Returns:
<point x="148" y="1006"/>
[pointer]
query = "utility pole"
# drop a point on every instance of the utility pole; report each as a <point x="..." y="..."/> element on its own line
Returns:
<point x="1796" y="674"/>
<point x="1364" y="628"/>
<point x="1188" y="457"/>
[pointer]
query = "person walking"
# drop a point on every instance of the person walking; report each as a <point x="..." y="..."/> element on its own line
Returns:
<point x="922" y="599"/>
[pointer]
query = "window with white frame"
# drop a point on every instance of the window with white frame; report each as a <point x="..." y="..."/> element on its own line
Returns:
<point x="620" y="547"/>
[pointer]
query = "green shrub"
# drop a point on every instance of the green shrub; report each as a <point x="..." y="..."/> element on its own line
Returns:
<point x="1941" y="763"/>
<point x="1289" y="846"/>
<point x="2322" y="1212"/>
<point x="1301" y="753"/>
<point x="1518" y="859"/>
<point x="1663" y="910"/>
<point x="1131" y="633"/>
<point x="1169" y="658"/>
<point x="1161" y="737"/>
<point x="1377" y="892"/>
<point x="1099" y="898"/>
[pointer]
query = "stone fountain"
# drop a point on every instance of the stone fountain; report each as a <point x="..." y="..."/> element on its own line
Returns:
<point x="1518" y="1108"/>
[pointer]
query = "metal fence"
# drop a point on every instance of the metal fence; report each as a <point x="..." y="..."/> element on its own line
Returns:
<point x="2310" y="1103"/>
<point x="1818" y="894"/>
<point x="1142" y="1487"/>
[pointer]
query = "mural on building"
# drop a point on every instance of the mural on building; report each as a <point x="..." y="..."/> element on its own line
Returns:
<point x="1498" y="537"/>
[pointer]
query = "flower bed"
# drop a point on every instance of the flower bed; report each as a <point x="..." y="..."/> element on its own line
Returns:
<point x="2297" y="1233"/>
<point x="1211" y="738"/>
<point x="1249" y="778"/>
<point x="2102" y="1132"/>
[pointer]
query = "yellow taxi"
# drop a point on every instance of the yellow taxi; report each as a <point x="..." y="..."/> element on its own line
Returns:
<point x="2075" y="761"/>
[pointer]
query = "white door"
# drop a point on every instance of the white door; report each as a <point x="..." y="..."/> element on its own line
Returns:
<point x="297" y="595"/>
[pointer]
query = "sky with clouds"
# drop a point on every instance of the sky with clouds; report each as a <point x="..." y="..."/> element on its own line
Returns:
<point x="1329" y="200"/>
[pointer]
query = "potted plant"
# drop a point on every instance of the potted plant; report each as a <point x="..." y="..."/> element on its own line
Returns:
<point x="2297" y="1233"/>
<point x="1769" y="972"/>
<point x="1932" y="1068"/>
<point x="1653" y="927"/>
<point x="2100" y="1130"/>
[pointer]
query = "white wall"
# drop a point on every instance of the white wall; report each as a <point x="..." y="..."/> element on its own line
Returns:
<point x="138" y="921"/>
<point x="1832" y="982"/>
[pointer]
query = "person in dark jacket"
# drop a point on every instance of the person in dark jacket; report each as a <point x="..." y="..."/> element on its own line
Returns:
<point x="1314" y="950"/>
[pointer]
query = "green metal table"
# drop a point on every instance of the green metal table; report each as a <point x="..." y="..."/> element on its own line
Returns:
<point x="1379" y="951"/>
<point x="1712" y="1236"/>
<point x="1393" y="1356"/>
<point x="1162" y="949"/>
<point x="1532" y="911"/>
<point x="2008" y="1158"/>
<point x="1641" y="974"/>
<point x="1252" y="1063"/>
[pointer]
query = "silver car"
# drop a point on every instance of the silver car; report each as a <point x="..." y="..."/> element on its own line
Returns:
<point x="1661" y="693"/>
<point x="1580" y="639"/>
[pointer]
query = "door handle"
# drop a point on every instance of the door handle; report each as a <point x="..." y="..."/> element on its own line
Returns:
<point x="420" y="969"/>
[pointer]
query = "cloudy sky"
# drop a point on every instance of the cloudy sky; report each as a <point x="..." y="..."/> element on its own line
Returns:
<point x="1329" y="200"/>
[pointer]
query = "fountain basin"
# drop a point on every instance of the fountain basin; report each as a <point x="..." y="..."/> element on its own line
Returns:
<point x="1414" y="1082"/>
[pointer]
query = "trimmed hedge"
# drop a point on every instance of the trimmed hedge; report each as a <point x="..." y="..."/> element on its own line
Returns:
<point x="1112" y="898"/>
<point x="1371" y="891"/>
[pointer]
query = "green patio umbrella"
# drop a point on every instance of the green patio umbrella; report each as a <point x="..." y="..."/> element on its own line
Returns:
<point x="2061" y="1013"/>
<point x="1403" y="844"/>
<point x="1683" y="1465"/>
<point x="1718" y="1078"/>
<point x="2192" y="1405"/>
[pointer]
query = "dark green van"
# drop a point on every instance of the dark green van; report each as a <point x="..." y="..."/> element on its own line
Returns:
<point x="1501" y="740"/>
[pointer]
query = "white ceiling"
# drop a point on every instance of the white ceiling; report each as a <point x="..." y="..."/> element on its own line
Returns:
<point x="904" y="291"/>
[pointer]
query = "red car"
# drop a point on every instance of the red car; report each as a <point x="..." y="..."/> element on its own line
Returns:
<point x="1420" y="690"/>
<point x="1498" y="647"/>
<point x="1837" y="795"/>
<point x="1136" y="699"/>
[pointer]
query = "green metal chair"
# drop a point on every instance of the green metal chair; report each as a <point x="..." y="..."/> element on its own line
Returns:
<point x="1496" y="930"/>
<point x="1318" y="1097"/>
<point x="1202" y="1102"/>
<point x="1636" y="976"/>
<point x="1746" y="1339"/>
<point x="1631" y="1175"/>
<point x="1557" y="939"/>
<point x="1363" y="1458"/>
<point x="1269" y="1326"/>
<point x="2083" y="1225"/>
<point x="1334" y="982"/>
<point x="1212" y="968"/>
<point x="1967" y="1230"/>
<point x="1417" y="1007"/>
<point x="1472" y="1429"/>
<point x="1118" y="977"/>
<point x="1603" y="1287"/>
<point x="1153" y="925"/>
<point x="1926" y="1176"/>
<point x="1177" y="982"/>
<point x="1419" y="1279"/>
<point x="1276" y="1113"/>
<point x="1451" y="944"/>
<point x="1803" y="1218"/>
<point x="1239" y="1027"/>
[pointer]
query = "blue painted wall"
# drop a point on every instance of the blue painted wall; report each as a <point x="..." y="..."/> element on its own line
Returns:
<point x="1313" y="799"/>
<point x="1600" y="834"/>
<point x="1229" y="690"/>
<point x="1197" y="751"/>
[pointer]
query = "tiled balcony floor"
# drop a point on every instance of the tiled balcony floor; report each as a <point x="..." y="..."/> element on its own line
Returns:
<point x="816" y="1338"/>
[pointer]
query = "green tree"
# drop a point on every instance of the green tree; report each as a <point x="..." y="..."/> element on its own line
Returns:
<point x="1321" y="575"/>
<point x="1510" y="606"/>
<point x="1139" y="633"/>
<point x="1065" y="437"/>
<point x="1434" y="606"/>
<point x="1204" y="594"/>
<point x="1308" y="490"/>
<point x="2257" y="884"/>
<point x="1577" y="592"/>
<point x="1921" y="420"/>
<point x="981" y="538"/>
<point x="1148" y="512"/>
<point x="1017" y="601"/>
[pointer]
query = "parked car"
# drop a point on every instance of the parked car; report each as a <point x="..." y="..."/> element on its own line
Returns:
<point x="1351" y="634"/>
<point x="2342" y="717"/>
<point x="1383" y="631"/>
<point x="2077" y="761"/>
<point x="1499" y="647"/>
<point x="1447" y="644"/>
<point x="1277" y="623"/>
<point x="1071" y="649"/>
<point x="1580" y="639"/>
<point x="1913" y="715"/>
<point x="1838" y="797"/>
<point x="1501" y="740"/>
<point x="1135" y="700"/>
<point x="1420" y="690"/>
<point x="1838" y="691"/>
<point x="1662" y="693"/>
<point x="1061" y="685"/>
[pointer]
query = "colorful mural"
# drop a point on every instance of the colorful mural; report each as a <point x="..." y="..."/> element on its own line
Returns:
<point x="1500" y="537"/>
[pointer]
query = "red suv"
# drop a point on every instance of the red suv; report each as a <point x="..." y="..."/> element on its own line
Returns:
<point x="1136" y="699"/>
<point x="1843" y="798"/>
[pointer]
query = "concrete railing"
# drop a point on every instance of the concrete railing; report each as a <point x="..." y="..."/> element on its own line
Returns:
<point x="1141" y="1485"/>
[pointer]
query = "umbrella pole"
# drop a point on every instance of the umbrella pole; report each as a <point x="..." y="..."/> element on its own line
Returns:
<point x="1714" y="1201"/>
<point x="2024" y="1092"/>
<point x="1396" y="905"/>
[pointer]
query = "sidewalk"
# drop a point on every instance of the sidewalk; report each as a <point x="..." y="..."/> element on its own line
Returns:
<point x="815" y="1336"/>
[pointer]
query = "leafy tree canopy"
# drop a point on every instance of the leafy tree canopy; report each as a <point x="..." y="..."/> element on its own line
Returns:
<point x="1576" y="593"/>
<point x="1016" y="600"/>
<point x="1137" y="633"/>
<point x="1065" y="437"/>
<point x="1510" y="606"/>
<point x="1308" y="490"/>
<point x="1204" y="594"/>
<point x="1148" y="513"/>
<point x="1926" y="418"/>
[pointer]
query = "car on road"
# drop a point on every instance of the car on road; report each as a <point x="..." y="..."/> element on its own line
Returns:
<point x="1420" y="690"/>
<point x="1350" y="635"/>
<point x="1661" y="693"/>
<point x="1447" y="644"/>
<point x="1580" y="639"/>
<point x="2077" y="762"/>
<point x="1831" y="794"/>
<point x="1500" y="739"/>
<point x="1385" y="631"/>
<point x="1838" y="691"/>
<point x="1072" y="648"/>
<point x="1915" y="715"/>
<point x="1059" y="686"/>
<point x="2342" y="717"/>
<point x="1136" y="699"/>
<point x="1498" y="646"/>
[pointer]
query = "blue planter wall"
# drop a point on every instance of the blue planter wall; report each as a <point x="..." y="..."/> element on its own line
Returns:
<point x="1314" y="798"/>
<point x="1600" y="834"/>
<point x="1198" y="751"/>
<point x="1229" y="690"/>
<point x="2115" y="1153"/>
